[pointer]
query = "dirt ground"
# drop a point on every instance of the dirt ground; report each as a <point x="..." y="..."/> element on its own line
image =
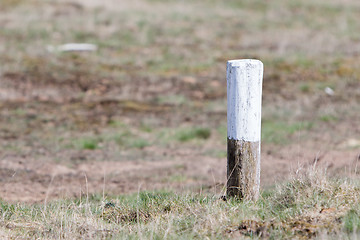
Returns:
<point x="73" y="124"/>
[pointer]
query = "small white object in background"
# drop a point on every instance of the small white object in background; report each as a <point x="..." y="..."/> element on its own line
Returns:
<point x="350" y="143"/>
<point x="329" y="91"/>
<point x="72" y="47"/>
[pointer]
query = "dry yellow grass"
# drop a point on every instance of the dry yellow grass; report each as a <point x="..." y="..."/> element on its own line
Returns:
<point x="309" y="206"/>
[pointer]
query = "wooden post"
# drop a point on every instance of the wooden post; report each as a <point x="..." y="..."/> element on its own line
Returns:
<point x="244" y="91"/>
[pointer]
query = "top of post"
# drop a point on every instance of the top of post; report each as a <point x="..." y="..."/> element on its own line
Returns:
<point x="239" y="62"/>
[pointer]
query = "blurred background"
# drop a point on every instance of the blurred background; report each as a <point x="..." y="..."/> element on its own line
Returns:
<point x="144" y="106"/>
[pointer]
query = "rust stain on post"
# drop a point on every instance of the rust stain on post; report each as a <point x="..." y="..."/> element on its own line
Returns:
<point x="243" y="169"/>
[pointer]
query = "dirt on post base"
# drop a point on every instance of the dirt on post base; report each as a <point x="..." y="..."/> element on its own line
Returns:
<point x="243" y="169"/>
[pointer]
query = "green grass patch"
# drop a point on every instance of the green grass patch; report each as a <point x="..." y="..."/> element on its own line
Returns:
<point x="185" y="135"/>
<point x="305" y="88"/>
<point x="126" y="139"/>
<point x="279" y="132"/>
<point x="352" y="221"/>
<point x="328" y="118"/>
<point x="139" y="143"/>
<point x="89" y="143"/>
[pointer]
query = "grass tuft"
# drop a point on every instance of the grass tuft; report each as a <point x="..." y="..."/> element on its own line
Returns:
<point x="352" y="221"/>
<point x="89" y="144"/>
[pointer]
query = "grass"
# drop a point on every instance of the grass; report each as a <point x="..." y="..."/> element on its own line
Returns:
<point x="305" y="88"/>
<point x="126" y="139"/>
<point x="281" y="132"/>
<point x="89" y="143"/>
<point x="139" y="143"/>
<point x="328" y="118"/>
<point x="352" y="220"/>
<point x="185" y="135"/>
<point x="310" y="205"/>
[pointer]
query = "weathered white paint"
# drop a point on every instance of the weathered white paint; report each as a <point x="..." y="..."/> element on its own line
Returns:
<point x="244" y="91"/>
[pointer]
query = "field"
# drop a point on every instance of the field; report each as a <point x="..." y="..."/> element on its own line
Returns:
<point x="129" y="141"/>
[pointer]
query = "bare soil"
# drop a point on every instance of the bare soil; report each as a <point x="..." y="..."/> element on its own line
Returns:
<point x="34" y="168"/>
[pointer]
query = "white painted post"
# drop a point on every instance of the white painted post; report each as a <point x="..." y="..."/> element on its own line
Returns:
<point x="244" y="92"/>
